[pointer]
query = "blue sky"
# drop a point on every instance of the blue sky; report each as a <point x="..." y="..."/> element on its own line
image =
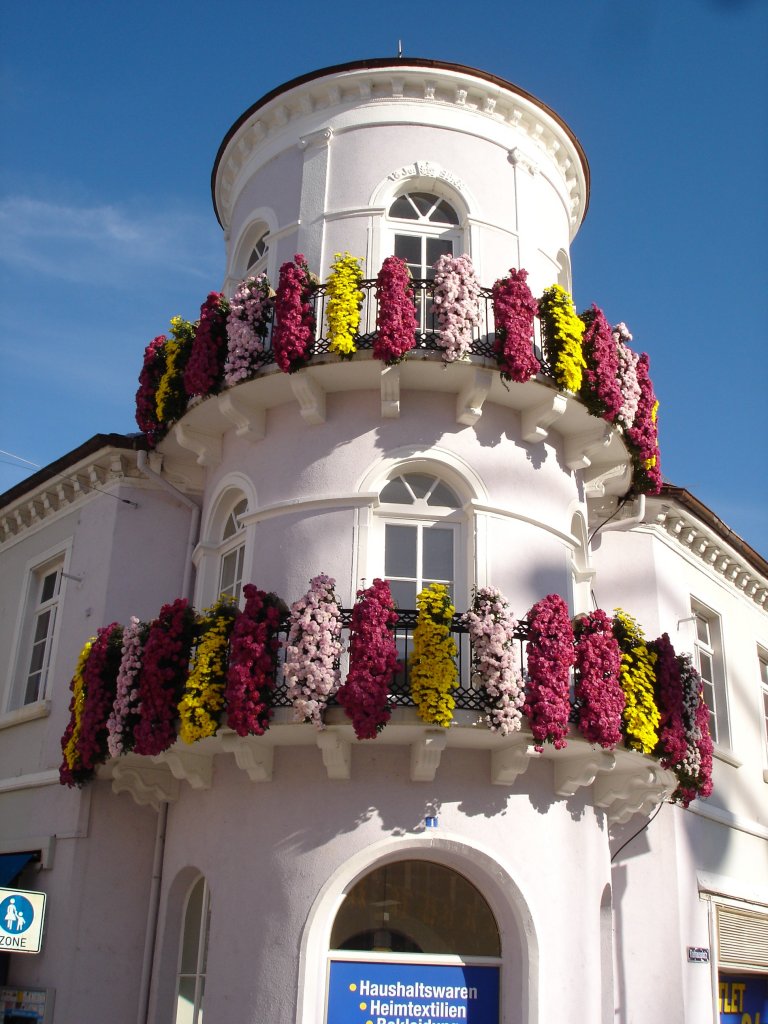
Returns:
<point x="111" y="116"/>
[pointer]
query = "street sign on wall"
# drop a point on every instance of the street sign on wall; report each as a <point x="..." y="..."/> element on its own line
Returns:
<point x="361" y="992"/>
<point x="21" y="920"/>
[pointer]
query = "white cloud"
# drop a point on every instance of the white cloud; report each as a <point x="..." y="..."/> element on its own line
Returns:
<point x="100" y="244"/>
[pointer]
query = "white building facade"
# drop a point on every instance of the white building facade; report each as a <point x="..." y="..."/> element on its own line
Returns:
<point x="283" y="877"/>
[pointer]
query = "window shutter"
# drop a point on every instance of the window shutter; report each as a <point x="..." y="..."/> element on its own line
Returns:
<point x="742" y="940"/>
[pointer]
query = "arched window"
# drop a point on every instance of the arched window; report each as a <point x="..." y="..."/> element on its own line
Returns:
<point x="190" y="983"/>
<point x="232" y="553"/>
<point x="416" y="906"/>
<point x="421" y="541"/>
<point x="425" y="227"/>
<point x="257" y="258"/>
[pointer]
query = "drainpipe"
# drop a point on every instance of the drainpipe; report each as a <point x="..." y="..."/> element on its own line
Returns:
<point x="142" y="463"/>
<point x="625" y="524"/>
<point x="153" y="911"/>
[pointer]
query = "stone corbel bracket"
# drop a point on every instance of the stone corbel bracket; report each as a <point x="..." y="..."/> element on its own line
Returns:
<point x="337" y="756"/>
<point x="205" y="446"/>
<point x="252" y="756"/>
<point x="147" y="783"/>
<point x="580" y="449"/>
<point x="390" y="392"/>
<point x="571" y="773"/>
<point x="509" y="763"/>
<point x="537" y="420"/>
<point x="188" y="766"/>
<point x="469" y="403"/>
<point x="311" y="397"/>
<point x="426" y="753"/>
<point x="624" y="794"/>
<point x="248" y="422"/>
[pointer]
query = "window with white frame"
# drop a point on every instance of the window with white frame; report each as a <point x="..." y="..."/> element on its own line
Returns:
<point x="762" y="660"/>
<point x="232" y="553"/>
<point x="38" y="633"/>
<point x="708" y="652"/>
<point x="257" y="257"/>
<point x="193" y="957"/>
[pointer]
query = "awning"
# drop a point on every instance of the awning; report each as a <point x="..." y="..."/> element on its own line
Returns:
<point x="11" y="865"/>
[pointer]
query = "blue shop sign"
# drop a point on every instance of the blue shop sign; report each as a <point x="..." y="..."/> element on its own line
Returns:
<point x="363" y="992"/>
<point x="743" y="998"/>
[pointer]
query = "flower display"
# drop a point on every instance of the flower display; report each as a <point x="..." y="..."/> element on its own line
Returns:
<point x="432" y="667"/>
<point x="673" y="745"/>
<point x="396" y="312"/>
<point x="202" y="703"/>
<point x="146" y="397"/>
<point x="86" y="748"/>
<point x="627" y="375"/>
<point x="637" y="677"/>
<point x="643" y="436"/>
<point x="599" y="696"/>
<point x="694" y="773"/>
<point x="254" y="647"/>
<point x="294" y="331"/>
<point x="550" y="655"/>
<point x="344" y="301"/>
<point x="161" y="679"/>
<point x="456" y="304"/>
<point x="563" y="331"/>
<point x="496" y="659"/>
<point x="171" y="397"/>
<point x="372" y="661"/>
<point x="204" y="372"/>
<point x="247" y="325"/>
<point x="514" y="308"/>
<point x="69" y="770"/>
<point x="125" y="709"/>
<point x="313" y="650"/>
<point x="600" y="389"/>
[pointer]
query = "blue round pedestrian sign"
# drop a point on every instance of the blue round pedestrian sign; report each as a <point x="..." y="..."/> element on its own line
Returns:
<point x="16" y="914"/>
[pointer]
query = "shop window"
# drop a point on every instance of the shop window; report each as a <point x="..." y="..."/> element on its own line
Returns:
<point x="190" y="986"/>
<point x="416" y="906"/>
<point x="38" y="633"/>
<point x="708" y="652"/>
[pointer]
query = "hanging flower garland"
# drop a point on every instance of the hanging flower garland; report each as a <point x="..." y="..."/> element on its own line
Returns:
<point x="637" y="677"/>
<point x="673" y="744"/>
<point x="599" y="696"/>
<point x="247" y="325"/>
<point x="125" y="709"/>
<point x="627" y="375"/>
<point x="695" y="772"/>
<point x="294" y="331"/>
<point x="69" y="770"/>
<point x="204" y="371"/>
<point x="202" y="702"/>
<point x="496" y="659"/>
<point x="395" y="312"/>
<point x="643" y="436"/>
<point x="563" y="331"/>
<point x="432" y="666"/>
<point x="254" y="647"/>
<point x="600" y="390"/>
<point x="149" y="379"/>
<point x="372" y="661"/>
<point x="550" y="655"/>
<point x="344" y="301"/>
<point x="514" y="308"/>
<point x="313" y="650"/>
<point x="99" y="674"/>
<point x="456" y="304"/>
<point x="171" y="395"/>
<point x="164" y="669"/>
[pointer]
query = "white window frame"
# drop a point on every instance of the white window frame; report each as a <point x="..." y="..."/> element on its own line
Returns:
<point x="233" y="547"/>
<point x="709" y="650"/>
<point x="213" y="548"/>
<point x="30" y="609"/>
<point x="762" y="663"/>
<point x="201" y="958"/>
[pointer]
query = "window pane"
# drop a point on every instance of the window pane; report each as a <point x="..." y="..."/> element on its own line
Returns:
<point x="438" y="553"/>
<point x="228" y="573"/>
<point x="41" y="626"/>
<point x="444" y="214"/>
<point x="419" y="483"/>
<point x="705" y="667"/>
<point x="437" y="247"/>
<point x="400" y="551"/>
<point x="185" y="1004"/>
<point x="49" y="587"/>
<point x="408" y="248"/>
<point x="423" y="202"/>
<point x="192" y="920"/>
<point x="702" y="629"/>
<point x="396" y="493"/>
<point x="443" y="495"/>
<point x="403" y="208"/>
<point x="403" y="594"/>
